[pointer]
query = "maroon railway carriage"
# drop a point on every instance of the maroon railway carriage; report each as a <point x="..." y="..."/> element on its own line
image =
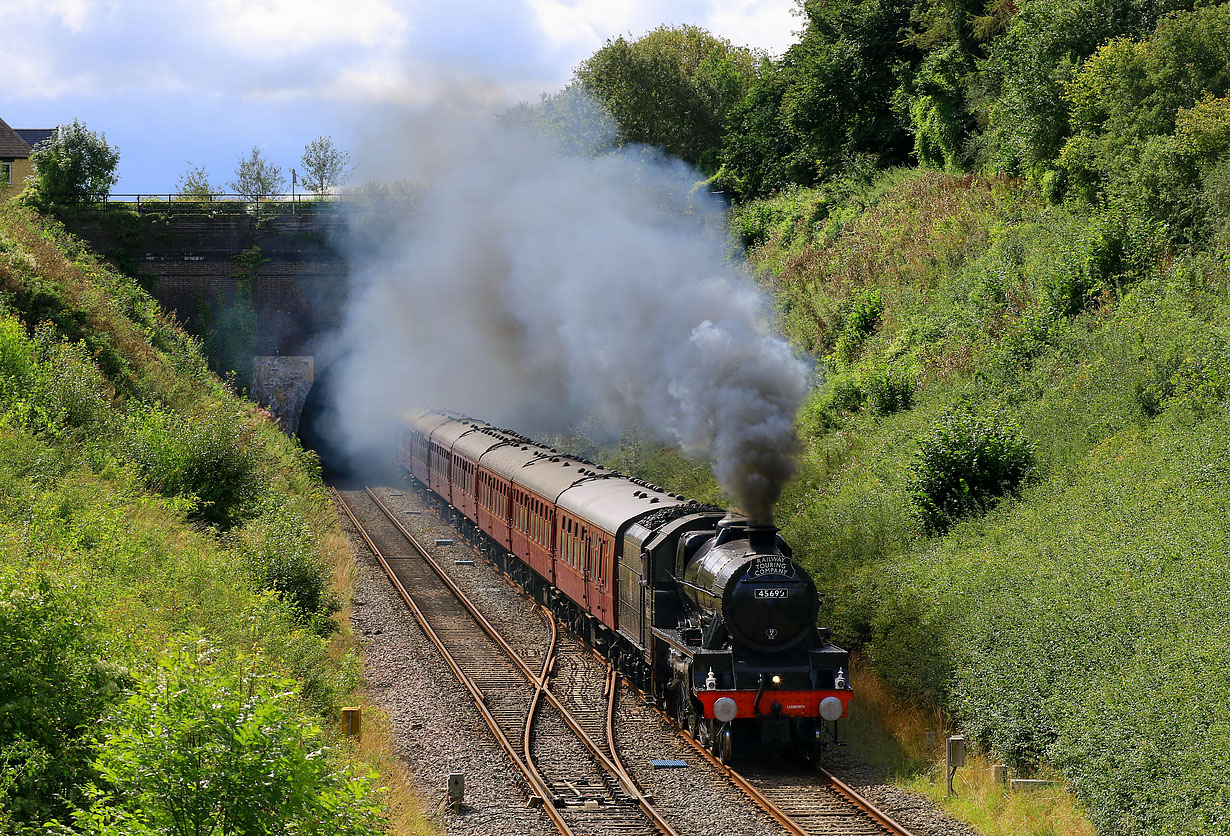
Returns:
<point x="706" y="613"/>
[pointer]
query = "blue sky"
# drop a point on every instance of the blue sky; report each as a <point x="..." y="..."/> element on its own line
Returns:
<point x="173" y="82"/>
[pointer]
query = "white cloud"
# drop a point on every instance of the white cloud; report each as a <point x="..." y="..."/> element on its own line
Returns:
<point x="575" y="28"/>
<point x="275" y="28"/>
<point x="72" y="14"/>
<point x="766" y="24"/>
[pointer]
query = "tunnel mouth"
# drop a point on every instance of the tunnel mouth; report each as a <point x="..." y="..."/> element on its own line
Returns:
<point x="314" y="428"/>
<point x="319" y="431"/>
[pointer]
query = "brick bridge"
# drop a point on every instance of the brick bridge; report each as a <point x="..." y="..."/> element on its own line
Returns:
<point x="260" y="290"/>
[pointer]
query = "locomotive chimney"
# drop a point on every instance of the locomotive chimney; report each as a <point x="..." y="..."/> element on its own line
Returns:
<point x="762" y="538"/>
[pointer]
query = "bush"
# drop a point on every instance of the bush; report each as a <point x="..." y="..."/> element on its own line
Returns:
<point x="1115" y="250"/>
<point x="54" y="689"/>
<point x="282" y="553"/>
<point x="861" y="314"/>
<point x="964" y="466"/>
<point x="208" y="457"/>
<point x="1192" y="374"/>
<point x="17" y="359"/>
<point x="888" y="388"/>
<point x="73" y="392"/>
<point x="198" y="748"/>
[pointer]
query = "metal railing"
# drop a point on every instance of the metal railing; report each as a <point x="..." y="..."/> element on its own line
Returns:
<point x="294" y="203"/>
<point x="238" y="202"/>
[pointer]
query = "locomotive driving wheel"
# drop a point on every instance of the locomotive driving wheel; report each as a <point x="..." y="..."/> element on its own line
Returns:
<point x="681" y="707"/>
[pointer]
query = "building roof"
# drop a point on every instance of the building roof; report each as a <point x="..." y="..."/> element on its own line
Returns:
<point x="12" y="145"/>
<point x="33" y="136"/>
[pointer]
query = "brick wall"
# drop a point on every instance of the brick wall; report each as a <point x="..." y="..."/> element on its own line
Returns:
<point x="188" y="263"/>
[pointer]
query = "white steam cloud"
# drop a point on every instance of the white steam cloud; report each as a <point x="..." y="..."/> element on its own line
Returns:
<point x="536" y="289"/>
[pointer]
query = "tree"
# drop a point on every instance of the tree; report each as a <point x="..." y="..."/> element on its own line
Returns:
<point x="672" y="88"/>
<point x="1028" y="67"/>
<point x="829" y="101"/>
<point x="74" y="164"/>
<point x="324" y="165"/>
<point x="1150" y="121"/>
<point x="194" y="184"/>
<point x="256" y="177"/>
<point x="576" y="122"/>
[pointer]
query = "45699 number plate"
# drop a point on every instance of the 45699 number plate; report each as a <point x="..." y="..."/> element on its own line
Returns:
<point x="773" y="592"/>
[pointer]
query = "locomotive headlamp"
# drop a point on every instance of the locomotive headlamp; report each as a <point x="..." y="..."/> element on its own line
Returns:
<point x="777" y="680"/>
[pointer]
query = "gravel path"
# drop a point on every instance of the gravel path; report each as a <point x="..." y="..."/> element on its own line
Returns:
<point x="437" y="731"/>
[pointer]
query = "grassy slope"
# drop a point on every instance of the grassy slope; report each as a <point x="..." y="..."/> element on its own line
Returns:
<point x="1078" y="624"/>
<point x="83" y="353"/>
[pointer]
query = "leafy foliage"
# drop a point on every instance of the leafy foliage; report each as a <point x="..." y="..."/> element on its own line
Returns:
<point x="324" y="165"/>
<point x="55" y="685"/>
<point x="257" y="178"/>
<point x="859" y="315"/>
<point x="1151" y="121"/>
<point x="206" y="457"/>
<point x="74" y="165"/>
<point x="572" y="119"/>
<point x="965" y="464"/>
<point x="199" y="749"/>
<point x="194" y="184"/>
<point x="1028" y="66"/>
<point x="672" y="88"/>
<point x="280" y="552"/>
<point x="826" y="102"/>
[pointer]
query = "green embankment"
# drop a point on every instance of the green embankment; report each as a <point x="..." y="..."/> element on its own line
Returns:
<point x="170" y="659"/>
<point x="1079" y="622"/>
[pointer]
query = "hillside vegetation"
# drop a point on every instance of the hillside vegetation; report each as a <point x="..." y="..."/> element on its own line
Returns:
<point x="1076" y="620"/>
<point x="1002" y="231"/>
<point x="168" y="648"/>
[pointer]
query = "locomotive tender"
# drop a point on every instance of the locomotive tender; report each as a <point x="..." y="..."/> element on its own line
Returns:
<point x="706" y="612"/>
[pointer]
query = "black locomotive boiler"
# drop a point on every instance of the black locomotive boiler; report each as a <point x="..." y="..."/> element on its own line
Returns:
<point x="706" y="612"/>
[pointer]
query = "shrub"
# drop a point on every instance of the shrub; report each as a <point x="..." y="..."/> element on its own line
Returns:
<point x="1117" y="249"/>
<point x="861" y="314"/>
<point x="1193" y="374"/>
<point x="209" y="457"/>
<point x="17" y="359"/>
<point x="198" y="748"/>
<point x="888" y="388"/>
<point x="964" y="466"/>
<point x="54" y="689"/>
<point x="73" y="390"/>
<point x="281" y="553"/>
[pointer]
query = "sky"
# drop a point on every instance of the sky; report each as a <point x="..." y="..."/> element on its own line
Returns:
<point x="174" y="83"/>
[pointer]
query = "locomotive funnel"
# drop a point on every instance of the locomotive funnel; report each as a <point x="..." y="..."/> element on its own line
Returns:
<point x="762" y="538"/>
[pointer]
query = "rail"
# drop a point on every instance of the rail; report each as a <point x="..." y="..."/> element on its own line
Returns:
<point x="540" y="681"/>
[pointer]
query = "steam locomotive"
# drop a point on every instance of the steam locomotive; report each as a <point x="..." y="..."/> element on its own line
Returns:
<point x="705" y="611"/>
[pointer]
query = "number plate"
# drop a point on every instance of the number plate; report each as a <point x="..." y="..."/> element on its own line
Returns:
<point x="775" y="592"/>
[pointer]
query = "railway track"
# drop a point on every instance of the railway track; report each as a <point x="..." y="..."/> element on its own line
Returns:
<point x="553" y="728"/>
<point x="803" y="802"/>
